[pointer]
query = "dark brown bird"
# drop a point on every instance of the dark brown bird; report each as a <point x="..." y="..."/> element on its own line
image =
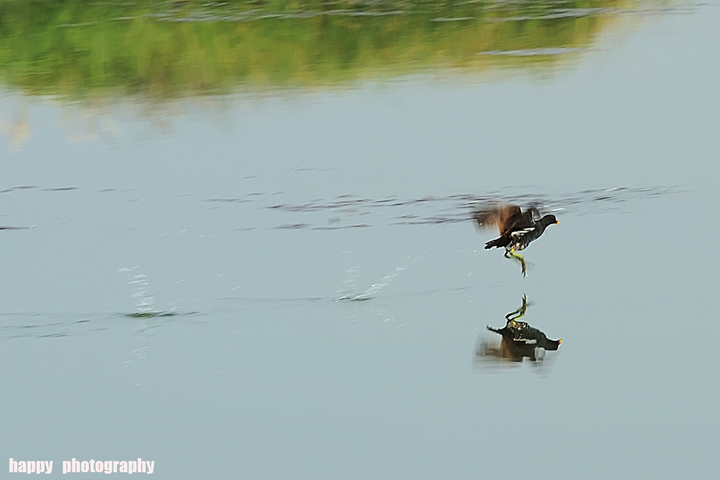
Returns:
<point x="517" y="228"/>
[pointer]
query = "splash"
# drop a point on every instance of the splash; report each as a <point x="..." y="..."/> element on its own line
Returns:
<point x="144" y="302"/>
<point x="371" y="291"/>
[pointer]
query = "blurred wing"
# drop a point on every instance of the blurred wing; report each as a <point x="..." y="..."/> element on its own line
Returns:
<point x="500" y="216"/>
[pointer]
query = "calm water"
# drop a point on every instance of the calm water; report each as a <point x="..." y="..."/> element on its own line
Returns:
<point x="287" y="284"/>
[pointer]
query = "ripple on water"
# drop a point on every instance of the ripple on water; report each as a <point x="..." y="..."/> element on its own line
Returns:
<point x="342" y="211"/>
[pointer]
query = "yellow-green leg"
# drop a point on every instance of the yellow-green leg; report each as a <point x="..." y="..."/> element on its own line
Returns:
<point x="518" y="257"/>
<point x="519" y="313"/>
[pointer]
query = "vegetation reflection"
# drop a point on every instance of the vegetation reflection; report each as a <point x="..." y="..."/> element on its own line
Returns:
<point x="518" y="340"/>
<point x="77" y="49"/>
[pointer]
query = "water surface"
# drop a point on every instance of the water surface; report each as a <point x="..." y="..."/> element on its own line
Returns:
<point x="288" y="284"/>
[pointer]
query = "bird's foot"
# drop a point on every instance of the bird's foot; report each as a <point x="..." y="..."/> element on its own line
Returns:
<point x="519" y="258"/>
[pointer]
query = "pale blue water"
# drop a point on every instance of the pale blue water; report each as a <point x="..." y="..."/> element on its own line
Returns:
<point x="249" y="225"/>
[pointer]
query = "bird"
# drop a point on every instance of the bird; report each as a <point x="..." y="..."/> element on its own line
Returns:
<point x="517" y="228"/>
<point x="519" y="339"/>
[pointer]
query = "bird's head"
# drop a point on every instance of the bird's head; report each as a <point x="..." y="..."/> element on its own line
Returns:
<point x="549" y="220"/>
<point x="553" y="344"/>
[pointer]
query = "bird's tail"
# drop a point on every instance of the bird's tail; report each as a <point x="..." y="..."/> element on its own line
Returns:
<point x="498" y="242"/>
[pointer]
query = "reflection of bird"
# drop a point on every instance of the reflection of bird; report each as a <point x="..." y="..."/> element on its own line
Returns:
<point x="521" y="332"/>
<point x="517" y="228"/>
<point x="519" y="339"/>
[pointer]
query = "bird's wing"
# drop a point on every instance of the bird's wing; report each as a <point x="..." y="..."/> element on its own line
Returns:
<point x="508" y="217"/>
<point x="535" y="213"/>
<point x="522" y="232"/>
<point x="501" y="216"/>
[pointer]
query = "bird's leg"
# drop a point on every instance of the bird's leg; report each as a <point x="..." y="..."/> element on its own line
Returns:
<point x="519" y="313"/>
<point x="518" y="257"/>
<point x="510" y="317"/>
